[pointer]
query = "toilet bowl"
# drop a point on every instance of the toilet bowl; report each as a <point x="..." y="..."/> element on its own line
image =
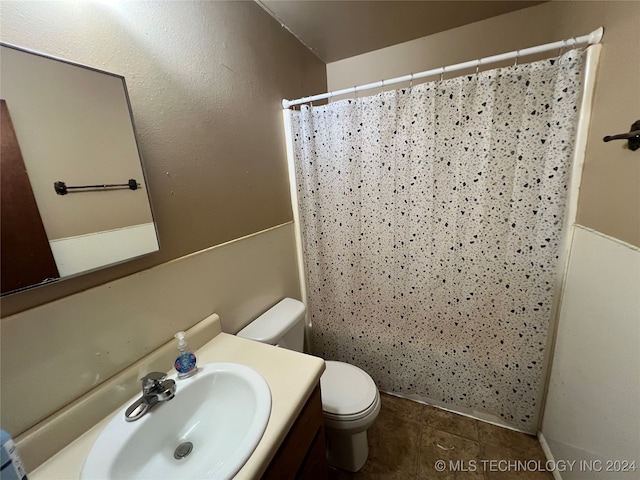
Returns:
<point x="350" y="398"/>
<point x="350" y="404"/>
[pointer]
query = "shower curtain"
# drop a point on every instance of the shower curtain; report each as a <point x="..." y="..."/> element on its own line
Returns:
<point x="431" y="219"/>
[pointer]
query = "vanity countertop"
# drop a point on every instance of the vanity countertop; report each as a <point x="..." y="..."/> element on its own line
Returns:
<point x="291" y="377"/>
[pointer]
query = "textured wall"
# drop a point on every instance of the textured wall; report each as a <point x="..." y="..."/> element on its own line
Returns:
<point x="205" y="81"/>
<point x="610" y="191"/>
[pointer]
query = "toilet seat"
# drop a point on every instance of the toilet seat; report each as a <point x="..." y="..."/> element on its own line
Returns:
<point x="348" y="392"/>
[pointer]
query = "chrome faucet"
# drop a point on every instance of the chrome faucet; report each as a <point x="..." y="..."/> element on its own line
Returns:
<point x="155" y="388"/>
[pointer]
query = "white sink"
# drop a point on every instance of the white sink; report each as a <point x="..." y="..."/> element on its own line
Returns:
<point x="223" y="411"/>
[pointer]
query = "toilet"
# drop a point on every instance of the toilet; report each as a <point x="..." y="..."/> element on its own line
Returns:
<point x="350" y="398"/>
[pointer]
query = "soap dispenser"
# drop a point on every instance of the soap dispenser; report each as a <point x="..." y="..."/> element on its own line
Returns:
<point x="185" y="364"/>
<point x="12" y="466"/>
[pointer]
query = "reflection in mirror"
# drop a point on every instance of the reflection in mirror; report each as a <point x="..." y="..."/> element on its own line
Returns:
<point x="70" y="124"/>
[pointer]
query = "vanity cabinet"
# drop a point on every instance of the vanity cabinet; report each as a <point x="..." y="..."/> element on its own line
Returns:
<point x="302" y="454"/>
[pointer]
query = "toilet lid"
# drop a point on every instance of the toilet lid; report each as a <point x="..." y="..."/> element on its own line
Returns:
<point x="346" y="389"/>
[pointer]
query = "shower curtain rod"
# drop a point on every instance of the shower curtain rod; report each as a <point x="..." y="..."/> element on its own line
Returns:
<point x="592" y="38"/>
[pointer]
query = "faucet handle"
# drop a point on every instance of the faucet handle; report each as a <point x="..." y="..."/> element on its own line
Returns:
<point x="152" y="380"/>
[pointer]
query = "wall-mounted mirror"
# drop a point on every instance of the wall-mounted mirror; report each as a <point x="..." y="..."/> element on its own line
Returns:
<point x="64" y="122"/>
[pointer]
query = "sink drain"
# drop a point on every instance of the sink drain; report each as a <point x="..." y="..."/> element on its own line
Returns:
<point x="183" y="450"/>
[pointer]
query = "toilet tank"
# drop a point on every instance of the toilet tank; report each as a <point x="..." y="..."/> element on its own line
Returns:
<point x="281" y="325"/>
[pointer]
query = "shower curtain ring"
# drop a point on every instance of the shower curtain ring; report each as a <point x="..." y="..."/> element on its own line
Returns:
<point x="561" y="50"/>
<point x="381" y="86"/>
<point x="411" y="82"/>
<point x="477" y="67"/>
<point x="515" y="64"/>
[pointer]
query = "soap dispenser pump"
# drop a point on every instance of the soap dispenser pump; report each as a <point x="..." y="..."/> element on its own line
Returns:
<point x="185" y="364"/>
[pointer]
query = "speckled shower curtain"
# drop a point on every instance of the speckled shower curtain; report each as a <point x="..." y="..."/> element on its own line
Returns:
<point x="431" y="220"/>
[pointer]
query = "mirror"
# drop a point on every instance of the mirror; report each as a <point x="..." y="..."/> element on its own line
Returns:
<point x="72" y="125"/>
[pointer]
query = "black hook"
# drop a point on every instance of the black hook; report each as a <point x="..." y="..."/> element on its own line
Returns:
<point x="633" y="136"/>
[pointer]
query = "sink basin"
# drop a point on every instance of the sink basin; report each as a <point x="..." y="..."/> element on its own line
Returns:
<point x="213" y="425"/>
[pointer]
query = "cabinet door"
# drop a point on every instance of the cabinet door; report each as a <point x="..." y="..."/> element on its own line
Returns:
<point x="315" y="466"/>
<point x="302" y="454"/>
<point x="25" y="254"/>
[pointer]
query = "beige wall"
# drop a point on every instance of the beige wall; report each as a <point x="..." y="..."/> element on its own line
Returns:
<point x="609" y="199"/>
<point x="57" y="353"/>
<point x="205" y="81"/>
<point x="591" y="411"/>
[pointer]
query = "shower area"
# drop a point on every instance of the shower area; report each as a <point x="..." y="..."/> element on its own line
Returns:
<point x="433" y="224"/>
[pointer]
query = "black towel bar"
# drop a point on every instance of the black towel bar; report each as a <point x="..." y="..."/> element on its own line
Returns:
<point x="61" y="188"/>
<point x="633" y="136"/>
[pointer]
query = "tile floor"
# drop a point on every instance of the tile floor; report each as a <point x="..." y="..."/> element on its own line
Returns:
<point x="408" y="438"/>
